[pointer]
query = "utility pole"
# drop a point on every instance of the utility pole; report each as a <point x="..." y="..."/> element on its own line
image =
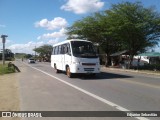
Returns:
<point x="3" y="41"/>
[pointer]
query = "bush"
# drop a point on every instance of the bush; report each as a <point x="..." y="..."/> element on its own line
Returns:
<point x="6" y="70"/>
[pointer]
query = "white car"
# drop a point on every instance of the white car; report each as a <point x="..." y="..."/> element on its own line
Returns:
<point x="31" y="60"/>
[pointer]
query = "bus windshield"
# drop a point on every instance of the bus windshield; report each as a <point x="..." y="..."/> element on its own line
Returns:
<point x="83" y="49"/>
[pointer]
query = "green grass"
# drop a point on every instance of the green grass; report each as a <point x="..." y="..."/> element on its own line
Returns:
<point x="5" y="70"/>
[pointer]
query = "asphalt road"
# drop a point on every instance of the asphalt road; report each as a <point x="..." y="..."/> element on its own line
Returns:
<point x="43" y="90"/>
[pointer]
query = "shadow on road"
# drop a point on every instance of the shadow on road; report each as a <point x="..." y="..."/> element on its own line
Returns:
<point x="102" y="76"/>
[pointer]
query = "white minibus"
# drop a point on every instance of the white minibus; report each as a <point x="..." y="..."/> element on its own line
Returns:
<point x="75" y="56"/>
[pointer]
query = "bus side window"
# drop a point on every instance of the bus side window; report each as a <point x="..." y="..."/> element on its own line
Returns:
<point x="62" y="49"/>
<point x="59" y="49"/>
<point x="65" y="48"/>
<point x="56" y="50"/>
<point x="68" y="49"/>
<point x="53" y="51"/>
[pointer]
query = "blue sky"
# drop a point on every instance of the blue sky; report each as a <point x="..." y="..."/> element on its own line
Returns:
<point x="30" y="23"/>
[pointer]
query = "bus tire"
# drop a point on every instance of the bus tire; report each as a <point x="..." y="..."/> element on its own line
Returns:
<point x="55" y="69"/>
<point x="68" y="73"/>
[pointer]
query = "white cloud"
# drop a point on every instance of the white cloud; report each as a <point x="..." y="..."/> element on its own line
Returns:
<point x="25" y="48"/>
<point x="58" y="34"/>
<point x="53" y="41"/>
<point x="83" y="6"/>
<point x="56" y="23"/>
<point x="8" y="41"/>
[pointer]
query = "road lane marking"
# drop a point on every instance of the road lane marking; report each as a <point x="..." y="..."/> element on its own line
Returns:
<point x="118" y="107"/>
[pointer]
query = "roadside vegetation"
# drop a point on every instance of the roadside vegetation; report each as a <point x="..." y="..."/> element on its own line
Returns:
<point x="9" y="56"/>
<point x="6" y="70"/>
<point x="125" y="26"/>
<point x="44" y="52"/>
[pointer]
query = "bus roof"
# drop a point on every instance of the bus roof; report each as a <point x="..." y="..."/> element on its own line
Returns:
<point x="66" y="41"/>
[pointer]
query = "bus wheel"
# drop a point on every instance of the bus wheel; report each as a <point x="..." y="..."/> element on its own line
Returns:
<point x="68" y="73"/>
<point x="55" y="69"/>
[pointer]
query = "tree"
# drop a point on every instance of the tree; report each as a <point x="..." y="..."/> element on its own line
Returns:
<point x="28" y="56"/>
<point x="44" y="51"/>
<point x="95" y="28"/>
<point x="135" y="26"/>
<point x="125" y="26"/>
<point x="8" y="54"/>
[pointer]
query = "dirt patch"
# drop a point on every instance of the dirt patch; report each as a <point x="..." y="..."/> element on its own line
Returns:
<point x="9" y="94"/>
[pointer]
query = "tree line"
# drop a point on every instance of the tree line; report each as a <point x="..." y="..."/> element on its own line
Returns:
<point x="125" y="26"/>
<point x="8" y="55"/>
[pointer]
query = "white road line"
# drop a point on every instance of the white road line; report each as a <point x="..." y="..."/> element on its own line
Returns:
<point x="91" y="94"/>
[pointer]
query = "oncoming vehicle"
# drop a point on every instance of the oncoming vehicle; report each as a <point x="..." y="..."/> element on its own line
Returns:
<point x="75" y="56"/>
<point x="31" y="60"/>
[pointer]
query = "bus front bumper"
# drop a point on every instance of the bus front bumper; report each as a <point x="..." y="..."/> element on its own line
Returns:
<point x="85" y="69"/>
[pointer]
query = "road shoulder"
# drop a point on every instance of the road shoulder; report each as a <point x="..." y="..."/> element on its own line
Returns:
<point x="9" y="93"/>
<point x="103" y="68"/>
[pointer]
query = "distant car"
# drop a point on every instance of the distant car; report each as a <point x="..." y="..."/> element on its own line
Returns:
<point x="31" y="60"/>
